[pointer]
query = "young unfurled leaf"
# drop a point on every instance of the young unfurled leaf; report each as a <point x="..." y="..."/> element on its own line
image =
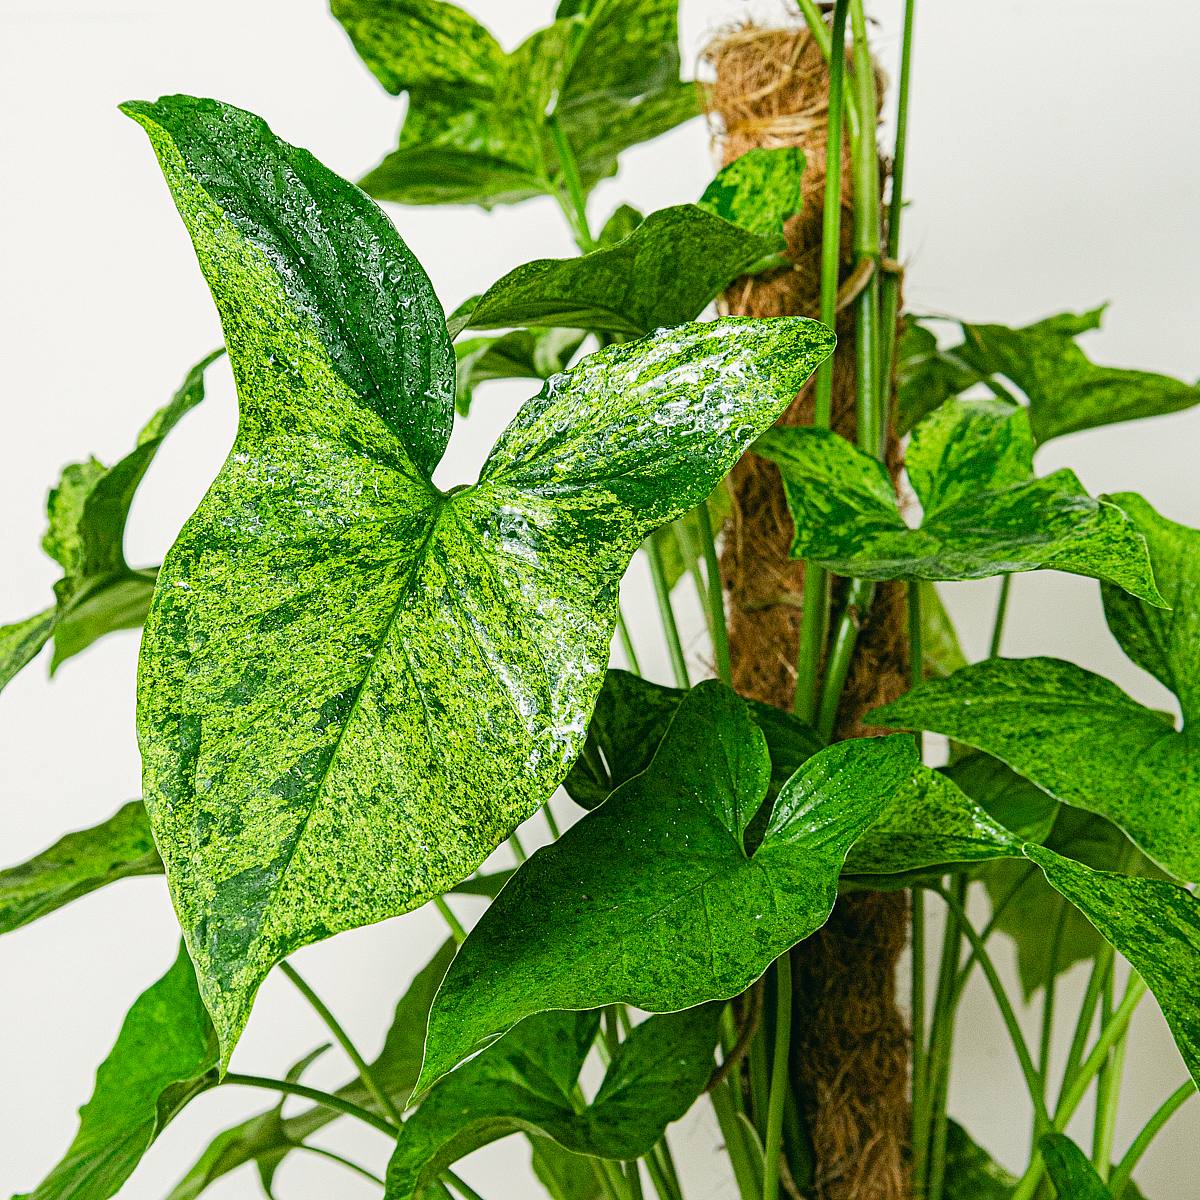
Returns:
<point x="631" y="719"/>
<point x="652" y="899"/>
<point x="971" y="465"/>
<point x="1070" y="1170"/>
<point x="528" y="1082"/>
<point x="1080" y="738"/>
<point x="521" y="354"/>
<point x="478" y="126"/>
<point x="354" y="686"/>
<point x="1065" y="389"/>
<point x="77" y="864"/>
<point x="165" y="1054"/>
<point x="266" y="1139"/>
<point x="1155" y="924"/>
<point x="99" y="592"/>
<point x="664" y="272"/>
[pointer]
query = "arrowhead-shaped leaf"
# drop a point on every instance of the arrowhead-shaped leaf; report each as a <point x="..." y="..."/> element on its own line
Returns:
<point x="1065" y="389"/>
<point x="99" y="592"/>
<point x="477" y="129"/>
<point x="353" y="686"/>
<point x="77" y="864"/>
<point x="1077" y="736"/>
<point x="165" y="1054"/>
<point x="528" y="1082"/>
<point x="652" y="899"/>
<point x="971" y="465"/>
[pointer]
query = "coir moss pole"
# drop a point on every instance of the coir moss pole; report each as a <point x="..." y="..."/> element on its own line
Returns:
<point x="850" y="1042"/>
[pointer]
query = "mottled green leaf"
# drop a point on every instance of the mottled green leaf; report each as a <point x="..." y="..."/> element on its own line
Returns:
<point x="1080" y="738"/>
<point x="1065" y="389"/>
<point x="651" y="899"/>
<point x="165" y="1054"/>
<point x="354" y="686"/>
<point x="759" y="190"/>
<point x="77" y="864"/>
<point x="520" y="354"/>
<point x="1165" y="642"/>
<point x="99" y="592"/>
<point x="970" y="464"/>
<point x="631" y="719"/>
<point x="265" y="1139"/>
<point x="1154" y="924"/>
<point x="926" y="377"/>
<point x="1020" y="806"/>
<point x="971" y="1172"/>
<point x="477" y="129"/>
<point x="528" y="1082"/>
<point x="1070" y="1170"/>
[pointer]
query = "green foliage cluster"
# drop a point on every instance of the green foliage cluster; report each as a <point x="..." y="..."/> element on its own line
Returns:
<point x="354" y="687"/>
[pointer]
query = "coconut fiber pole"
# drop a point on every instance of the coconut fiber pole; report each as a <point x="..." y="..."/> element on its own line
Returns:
<point x="849" y="1059"/>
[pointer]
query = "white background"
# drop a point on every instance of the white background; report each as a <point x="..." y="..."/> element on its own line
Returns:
<point x="1053" y="165"/>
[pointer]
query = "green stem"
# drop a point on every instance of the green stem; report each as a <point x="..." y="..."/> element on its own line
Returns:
<point x="722" y="1097"/>
<point x="1108" y="1091"/>
<point x="1001" y="613"/>
<point x="920" y="1059"/>
<point x="514" y="844"/>
<point x="633" y="1180"/>
<point x="662" y="594"/>
<point x="1169" y="1107"/>
<point x="348" y="1163"/>
<point x="716" y="596"/>
<point x="627" y="644"/>
<point x="318" y="1097"/>
<point x="343" y="1039"/>
<point x="461" y="1186"/>
<point x="779" y="1077"/>
<point x="1048" y="1000"/>
<point x="457" y="930"/>
<point x="1101" y="968"/>
<point x="664" y="1184"/>
<point x="551" y="823"/>
<point x="691" y="555"/>
<point x="841" y="653"/>
<point x="575" y="207"/>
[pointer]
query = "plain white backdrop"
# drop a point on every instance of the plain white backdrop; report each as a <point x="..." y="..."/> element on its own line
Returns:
<point x="1052" y="165"/>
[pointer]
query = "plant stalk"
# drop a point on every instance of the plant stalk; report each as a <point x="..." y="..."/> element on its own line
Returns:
<point x="779" y="1077"/>
<point x="1169" y="1107"/>
<point x="716" y="596"/>
<point x="345" y="1107"/>
<point x="662" y="594"/>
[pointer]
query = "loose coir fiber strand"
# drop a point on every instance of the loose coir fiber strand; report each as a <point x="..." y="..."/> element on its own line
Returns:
<point x="849" y="1042"/>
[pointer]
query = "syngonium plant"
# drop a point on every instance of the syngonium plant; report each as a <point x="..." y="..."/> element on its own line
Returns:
<point x="354" y="686"/>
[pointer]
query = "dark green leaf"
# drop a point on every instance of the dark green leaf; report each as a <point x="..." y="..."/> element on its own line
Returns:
<point x="521" y="354"/>
<point x="165" y="1054"/>
<point x="1020" y="806"/>
<point x="265" y="1139"/>
<point x="759" y="190"/>
<point x="1080" y="738"/>
<point x="564" y="1175"/>
<point x="1065" y="389"/>
<point x="354" y="686"/>
<point x="1154" y="924"/>
<point x="77" y="864"/>
<point x="971" y="1172"/>
<point x="528" y="1082"/>
<point x="651" y="899"/>
<point x="1070" y="1170"/>
<point x="970" y="464"/>
<point x="99" y="592"/>
<point x="926" y="377"/>
<point x="477" y="129"/>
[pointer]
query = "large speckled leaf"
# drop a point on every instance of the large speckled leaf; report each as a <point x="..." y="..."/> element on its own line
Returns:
<point x="77" y="864"/>
<point x="267" y="1138"/>
<point x="970" y="463"/>
<point x="1080" y="738"/>
<point x="477" y="127"/>
<point x="528" y="1081"/>
<point x="1065" y="389"/>
<point x="519" y="354"/>
<point x="99" y="592"/>
<point x="1070" y="1170"/>
<point x="652" y="899"/>
<point x="631" y="719"/>
<point x="1154" y="923"/>
<point x="353" y="686"/>
<point x="165" y="1054"/>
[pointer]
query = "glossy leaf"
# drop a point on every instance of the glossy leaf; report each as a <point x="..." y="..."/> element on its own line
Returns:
<point x="651" y="899"/>
<point x="1080" y="738"/>
<point x="77" y="864"/>
<point x="1065" y="389"/>
<point x="477" y="129"/>
<point x="354" y="686"/>
<point x="1070" y="1170"/>
<point x="1154" y="924"/>
<point x="521" y="354"/>
<point x="165" y="1054"/>
<point x="266" y="1139"/>
<point x="970" y="464"/>
<point x="528" y="1081"/>
<point x="99" y="592"/>
<point x="759" y="190"/>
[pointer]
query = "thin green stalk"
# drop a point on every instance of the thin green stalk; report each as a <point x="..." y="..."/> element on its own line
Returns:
<point x="1108" y="1090"/>
<point x="514" y="844"/>
<point x="1101" y="968"/>
<point x="1001" y="613"/>
<point x="343" y="1038"/>
<point x="920" y="1058"/>
<point x="1048" y="999"/>
<point x="779" y="1077"/>
<point x="457" y="930"/>
<point x="722" y="1097"/>
<point x="461" y="1186"/>
<point x="348" y="1163"/>
<point x="692" y="555"/>
<point x="760" y="1079"/>
<point x="633" y="1180"/>
<point x="841" y="653"/>
<point x="627" y="643"/>
<point x="664" y="1185"/>
<point x="1169" y="1107"/>
<point x="664" y="1161"/>
<point x="575" y="206"/>
<point x="662" y="594"/>
<point x="318" y="1097"/>
<point x="815" y="21"/>
<point x="716" y="596"/>
<point x="551" y="822"/>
